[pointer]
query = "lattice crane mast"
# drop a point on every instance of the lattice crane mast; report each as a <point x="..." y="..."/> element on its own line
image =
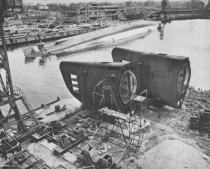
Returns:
<point x="8" y="94"/>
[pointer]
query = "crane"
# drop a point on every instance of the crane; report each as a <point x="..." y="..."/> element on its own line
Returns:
<point x="12" y="118"/>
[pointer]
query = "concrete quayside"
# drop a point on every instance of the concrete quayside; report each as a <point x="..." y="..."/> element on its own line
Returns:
<point x="21" y="39"/>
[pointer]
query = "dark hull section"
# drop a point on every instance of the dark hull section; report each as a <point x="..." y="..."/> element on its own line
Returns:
<point x="96" y="85"/>
<point x="93" y="83"/>
<point x="165" y="77"/>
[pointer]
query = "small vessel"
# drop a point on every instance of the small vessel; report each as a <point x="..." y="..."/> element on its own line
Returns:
<point x="32" y="52"/>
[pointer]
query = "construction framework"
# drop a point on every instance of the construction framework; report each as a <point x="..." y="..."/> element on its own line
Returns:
<point x="15" y="125"/>
<point x="117" y="134"/>
<point x="100" y="93"/>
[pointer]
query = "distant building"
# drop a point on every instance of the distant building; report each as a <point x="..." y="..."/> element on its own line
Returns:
<point x="34" y="18"/>
<point x="13" y="6"/>
<point x="94" y="12"/>
<point x="37" y="9"/>
<point x="43" y="7"/>
<point x="132" y="8"/>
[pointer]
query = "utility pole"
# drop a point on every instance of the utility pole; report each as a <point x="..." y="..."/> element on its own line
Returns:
<point x="163" y="5"/>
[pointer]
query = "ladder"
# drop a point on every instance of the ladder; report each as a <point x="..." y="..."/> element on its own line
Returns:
<point x="114" y="100"/>
<point x="142" y="99"/>
<point x="3" y="86"/>
<point x="27" y="104"/>
<point x="112" y="90"/>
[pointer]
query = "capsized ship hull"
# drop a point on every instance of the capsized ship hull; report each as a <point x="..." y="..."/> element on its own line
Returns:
<point x="109" y="39"/>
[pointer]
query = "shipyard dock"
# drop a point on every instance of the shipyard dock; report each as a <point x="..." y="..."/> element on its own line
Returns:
<point x="17" y="39"/>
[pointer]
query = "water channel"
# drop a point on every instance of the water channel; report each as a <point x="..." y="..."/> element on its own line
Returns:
<point x="41" y="80"/>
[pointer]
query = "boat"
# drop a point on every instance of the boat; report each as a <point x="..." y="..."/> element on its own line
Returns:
<point x="31" y="52"/>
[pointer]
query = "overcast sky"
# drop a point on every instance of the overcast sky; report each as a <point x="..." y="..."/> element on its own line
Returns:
<point x="76" y="1"/>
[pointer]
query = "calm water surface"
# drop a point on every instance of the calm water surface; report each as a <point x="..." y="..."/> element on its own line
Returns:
<point x="41" y="80"/>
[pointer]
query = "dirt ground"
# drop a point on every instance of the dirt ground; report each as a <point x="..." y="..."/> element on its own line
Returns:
<point x="170" y="143"/>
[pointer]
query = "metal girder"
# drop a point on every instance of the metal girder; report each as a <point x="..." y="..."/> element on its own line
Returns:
<point x="8" y="95"/>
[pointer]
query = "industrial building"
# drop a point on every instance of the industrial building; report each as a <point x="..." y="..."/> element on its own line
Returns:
<point x="94" y="12"/>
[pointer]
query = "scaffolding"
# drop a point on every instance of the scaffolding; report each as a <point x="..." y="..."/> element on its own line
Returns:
<point x="99" y="95"/>
<point x="130" y="128"/>
<point x="12" y="120"/>
<point x="117" y="134"/>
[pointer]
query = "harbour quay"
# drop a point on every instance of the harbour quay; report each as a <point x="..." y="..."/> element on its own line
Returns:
<point x="26" y="39"/>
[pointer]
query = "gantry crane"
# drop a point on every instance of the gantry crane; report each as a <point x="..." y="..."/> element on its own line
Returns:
<point x="12" y="119"/>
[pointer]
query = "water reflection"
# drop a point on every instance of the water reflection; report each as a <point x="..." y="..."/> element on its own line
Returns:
<point x="43" y="61"/>
<point x="185" y="38"/>
<point x="29" y="60"/>
<point x="162" y="31"/>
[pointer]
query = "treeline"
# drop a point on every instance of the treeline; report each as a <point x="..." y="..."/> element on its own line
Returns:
<point x="190" y="4"/>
